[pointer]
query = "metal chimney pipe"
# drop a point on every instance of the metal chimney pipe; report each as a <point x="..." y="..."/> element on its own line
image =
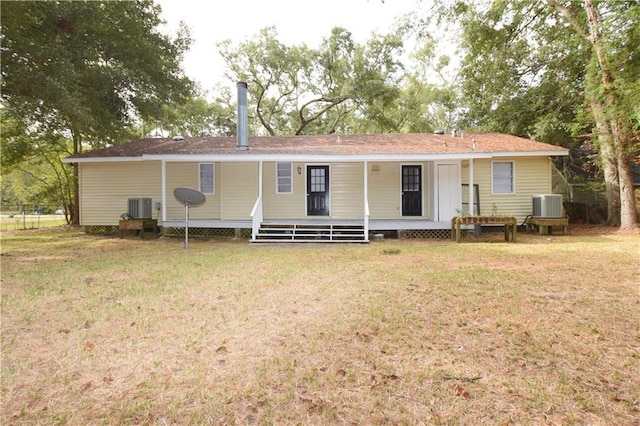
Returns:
<point x="243" y="126"/>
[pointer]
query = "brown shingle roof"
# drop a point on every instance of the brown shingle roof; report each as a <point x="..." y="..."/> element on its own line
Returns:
<point x="380" y="144"/>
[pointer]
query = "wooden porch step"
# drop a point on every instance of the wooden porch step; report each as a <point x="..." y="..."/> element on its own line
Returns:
<point x="310" y="233"/>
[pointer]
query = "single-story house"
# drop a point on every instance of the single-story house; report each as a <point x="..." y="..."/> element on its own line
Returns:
<point x="371" y="182"/>
<point x="320" y="187"/>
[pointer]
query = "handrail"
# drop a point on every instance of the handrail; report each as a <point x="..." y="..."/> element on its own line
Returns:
<point x="257" y="216"/>
<point x="366" y="219"/>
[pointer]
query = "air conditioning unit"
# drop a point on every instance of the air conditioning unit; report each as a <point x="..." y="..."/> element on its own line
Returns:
<point x="139" y="208"/>
<point x="548" y="205"/>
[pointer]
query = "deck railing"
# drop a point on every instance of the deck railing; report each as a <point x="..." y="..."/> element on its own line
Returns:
<point x="256" y="216"/>
<point x="366" y="219"/>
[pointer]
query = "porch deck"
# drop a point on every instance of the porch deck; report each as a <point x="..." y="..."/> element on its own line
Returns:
<point x="374" y="224"/>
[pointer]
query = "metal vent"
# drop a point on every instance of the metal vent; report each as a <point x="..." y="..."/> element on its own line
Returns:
<point x="139" y="208"/>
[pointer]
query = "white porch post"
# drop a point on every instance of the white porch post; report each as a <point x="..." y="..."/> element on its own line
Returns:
<point x="163" y="179"/>
<point x="256" y="214"/>
<point x="260" y="178"/>
<point x="366" y="200"/>
<point x="471" y="191"/>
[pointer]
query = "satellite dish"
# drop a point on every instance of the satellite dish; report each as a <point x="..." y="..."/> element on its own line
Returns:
<point x="189" y="197"/>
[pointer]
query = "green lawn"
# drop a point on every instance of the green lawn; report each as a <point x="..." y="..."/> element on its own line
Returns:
<point x="100" y="330"/>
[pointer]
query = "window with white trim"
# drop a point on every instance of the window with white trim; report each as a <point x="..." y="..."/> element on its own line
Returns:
<point x="284" y="178"/>
<point x="503" y="177"/>
<point x="207" y="178"/>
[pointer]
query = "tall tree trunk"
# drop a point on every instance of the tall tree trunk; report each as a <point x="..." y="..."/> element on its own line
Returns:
<point x="628" y="212"/>
<point x="75" y="206"/>
<point x="608" y="161"/>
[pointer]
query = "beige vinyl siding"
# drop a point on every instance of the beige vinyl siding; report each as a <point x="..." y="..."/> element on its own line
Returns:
<point x="532" y="177"/>
<point x="106" y="187"/>
<point x="283" y="206"/>
<point x="385" y="190"/>
<point x="239" y="184"/>
<point x="347" y="190"/>
<point x="188" y="175"/>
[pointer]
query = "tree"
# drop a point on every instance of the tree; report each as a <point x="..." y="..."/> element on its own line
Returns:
<point x="89" y="70"/>
<point x="198" y="117"/>
<point x="32" y="168"/>
<point x="527" y="72"/>
<point x="299" y="90"/>
<point x="611" y="31"/>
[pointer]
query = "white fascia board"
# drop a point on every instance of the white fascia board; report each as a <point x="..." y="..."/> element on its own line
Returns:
<point x="101" y="159"/>
<point x="231" y="158"/>
<point x="530" y="154"/>
<point x="246" y="157"/>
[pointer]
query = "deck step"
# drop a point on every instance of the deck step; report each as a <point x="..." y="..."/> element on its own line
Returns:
<point x="310" y="233"/>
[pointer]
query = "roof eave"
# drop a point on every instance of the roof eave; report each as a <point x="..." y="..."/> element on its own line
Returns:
<point x="550" y="153"/>
<point x="247" y="156"/>
<point x="72" y="160"/>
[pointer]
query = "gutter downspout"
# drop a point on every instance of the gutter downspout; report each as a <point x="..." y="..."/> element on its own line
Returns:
<point x="471" y="189"/>
<point x="164" y="190"/>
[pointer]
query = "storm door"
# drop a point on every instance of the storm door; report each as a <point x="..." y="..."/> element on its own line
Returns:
<point x="318" y="190"/>
<point x="411" y="190"/>
<point x="449" y="191"/>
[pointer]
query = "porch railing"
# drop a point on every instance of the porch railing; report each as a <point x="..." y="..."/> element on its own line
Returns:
<point x="256" y="216"/>
<point x="366" y="219"/>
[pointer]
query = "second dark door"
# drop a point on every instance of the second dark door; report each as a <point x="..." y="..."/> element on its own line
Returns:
<point x="318" y="190"/>
<point x="411" y="190"/>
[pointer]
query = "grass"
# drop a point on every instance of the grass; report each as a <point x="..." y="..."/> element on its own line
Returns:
<point x="125" y="331"/>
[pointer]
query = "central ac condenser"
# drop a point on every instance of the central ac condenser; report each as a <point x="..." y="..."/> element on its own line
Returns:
<point x="548" y="205"/>
<point x="139" y="208"/>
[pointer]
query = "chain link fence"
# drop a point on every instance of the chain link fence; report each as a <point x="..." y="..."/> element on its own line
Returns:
<point x="30" y="216"/>
<point x="584" y="202"/>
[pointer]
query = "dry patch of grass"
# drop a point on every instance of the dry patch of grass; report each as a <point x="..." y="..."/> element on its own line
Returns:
<point x="103" y="330"/>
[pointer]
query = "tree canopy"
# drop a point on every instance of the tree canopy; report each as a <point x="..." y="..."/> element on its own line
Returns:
<point x="87" y="70"/>
<point x="564" y="72"/>
<point x="300" y="90"/>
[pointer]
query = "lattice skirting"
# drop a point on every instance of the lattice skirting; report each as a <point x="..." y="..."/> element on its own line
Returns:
<point x="101" y="229"/>
<point x="244" y="233"/>
<point x="173" y="232"/>
<point x="426" y="233"/>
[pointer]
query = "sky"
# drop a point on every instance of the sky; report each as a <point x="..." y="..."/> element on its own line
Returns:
<point x="297" y="22"/>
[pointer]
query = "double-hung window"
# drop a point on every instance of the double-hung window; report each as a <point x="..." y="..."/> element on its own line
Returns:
<point x="503" y="177"/>
<point x="284" y="178"/>
<point x="207" y="178"/>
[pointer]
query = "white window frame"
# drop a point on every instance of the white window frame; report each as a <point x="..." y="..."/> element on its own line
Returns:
<point x="213" y="178"/>
<point x="278" y="177"/>
<point x="493" y="177"/>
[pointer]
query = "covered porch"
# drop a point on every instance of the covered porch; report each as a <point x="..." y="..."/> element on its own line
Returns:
<point x="332" y="199"/>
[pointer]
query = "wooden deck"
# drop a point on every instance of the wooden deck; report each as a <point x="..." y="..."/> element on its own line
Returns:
<point x="545" y="224"/>
<point x="139" y="227"/>
<point x="510" y="225"/>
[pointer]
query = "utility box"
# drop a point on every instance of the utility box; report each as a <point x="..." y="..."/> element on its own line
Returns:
<point x="139" y="208"/>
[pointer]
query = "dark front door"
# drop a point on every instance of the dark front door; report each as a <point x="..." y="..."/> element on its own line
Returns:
<point x="411" y="190"/>
<point x="318" y="190"/>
